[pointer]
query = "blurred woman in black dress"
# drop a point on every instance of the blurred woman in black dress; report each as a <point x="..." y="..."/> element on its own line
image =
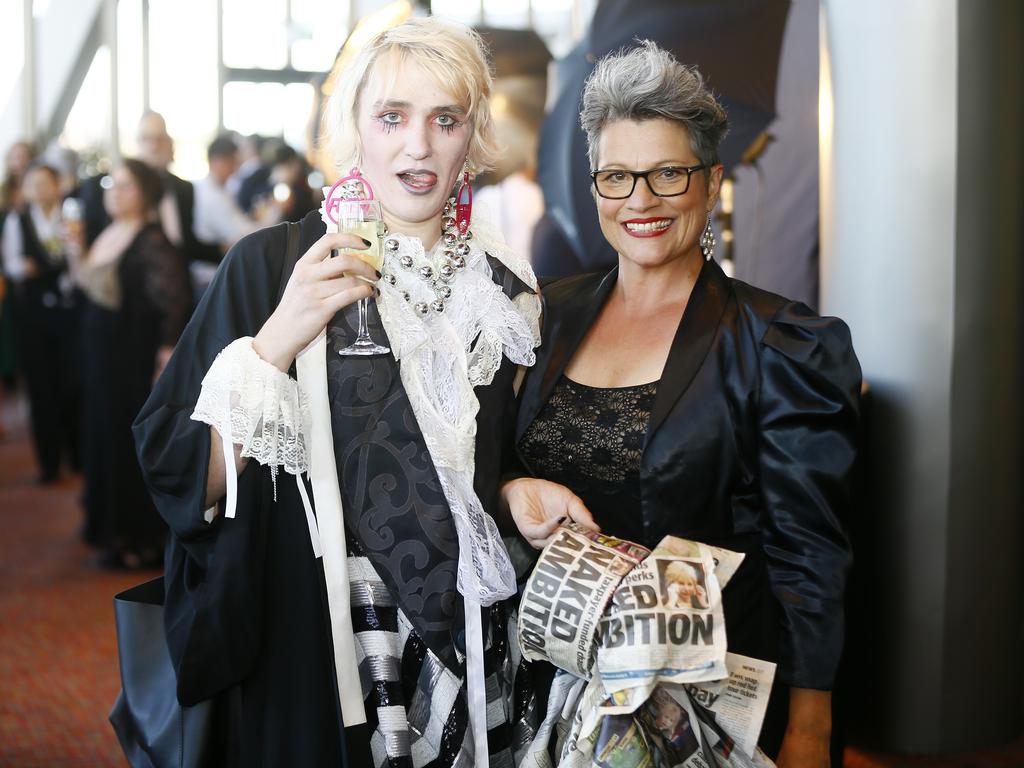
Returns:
<point x="137" y="303"/>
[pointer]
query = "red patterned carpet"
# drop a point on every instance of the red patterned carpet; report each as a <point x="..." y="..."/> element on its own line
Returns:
<point x="58" y="654"/>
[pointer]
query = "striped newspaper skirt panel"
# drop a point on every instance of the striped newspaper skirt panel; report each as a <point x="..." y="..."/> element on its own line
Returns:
<point x="415" y="705"/>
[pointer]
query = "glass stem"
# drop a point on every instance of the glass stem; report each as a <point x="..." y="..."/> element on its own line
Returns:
<point x="364" y="332"/>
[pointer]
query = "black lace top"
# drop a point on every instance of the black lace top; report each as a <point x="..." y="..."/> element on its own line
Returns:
<point x="590" y="439"/>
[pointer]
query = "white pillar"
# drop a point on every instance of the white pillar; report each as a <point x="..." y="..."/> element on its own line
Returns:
<point x="110" y="38"/>
<point x="29" y="80"/>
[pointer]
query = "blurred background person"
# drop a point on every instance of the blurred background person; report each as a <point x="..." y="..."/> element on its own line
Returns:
<point x="254" y="188"/>
<point x="8" y="347"/>
<point x="289" y="185"/>
<point x="137" y="303"/>
<point x="219" y="221"/>
<point x="43" y="301"/>
<point x="279" y="189"/>
<point x="16" y="162"/>
<point x="176" y="209"/>
<point x="511" y="192"/>
<point x="249" y="161"/>
<point x="65" y="161"/>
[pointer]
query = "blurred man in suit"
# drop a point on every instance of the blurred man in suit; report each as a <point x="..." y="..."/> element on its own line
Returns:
<point x="156" y="149"/>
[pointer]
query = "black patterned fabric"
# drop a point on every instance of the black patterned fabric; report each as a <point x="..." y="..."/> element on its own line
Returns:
<point x="407" y="613"/>
<point x="394" y="507"/>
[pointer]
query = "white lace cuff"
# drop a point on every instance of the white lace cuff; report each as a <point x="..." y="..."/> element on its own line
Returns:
<point x="254" y="405"/>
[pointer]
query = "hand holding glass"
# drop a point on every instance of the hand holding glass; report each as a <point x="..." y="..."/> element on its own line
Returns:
<point x="363" y="218"/>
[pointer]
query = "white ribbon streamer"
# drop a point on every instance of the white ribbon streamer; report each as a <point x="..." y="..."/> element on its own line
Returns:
<point x="311" y="366"/>
<point x="314" y="533"/>
<point x="476" y="685"/>
<point x="230" y="472"/>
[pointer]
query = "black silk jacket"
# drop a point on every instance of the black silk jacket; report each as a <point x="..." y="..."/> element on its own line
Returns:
<point x="750" y="446"/>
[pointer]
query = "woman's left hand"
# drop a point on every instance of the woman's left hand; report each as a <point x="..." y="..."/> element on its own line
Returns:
<point x="809" y="733"/>
<point x="538" y="507"/>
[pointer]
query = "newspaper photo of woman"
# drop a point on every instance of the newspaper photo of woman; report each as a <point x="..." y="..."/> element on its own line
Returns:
<point x="682" y="585"/>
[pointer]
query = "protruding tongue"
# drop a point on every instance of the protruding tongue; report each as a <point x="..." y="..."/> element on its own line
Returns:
<point x="419" y="180"/>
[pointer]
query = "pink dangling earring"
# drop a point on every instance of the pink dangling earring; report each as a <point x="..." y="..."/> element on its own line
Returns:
<point x="464" y="203"/>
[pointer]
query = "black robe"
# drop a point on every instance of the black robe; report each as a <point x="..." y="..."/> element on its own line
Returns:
<point x="245" y="605"/>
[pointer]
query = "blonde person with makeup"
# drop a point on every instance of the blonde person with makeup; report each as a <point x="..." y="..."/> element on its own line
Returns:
<point x="335" y="579"/>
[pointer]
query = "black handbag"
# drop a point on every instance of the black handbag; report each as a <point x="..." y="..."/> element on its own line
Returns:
<point x="155" y="731"/>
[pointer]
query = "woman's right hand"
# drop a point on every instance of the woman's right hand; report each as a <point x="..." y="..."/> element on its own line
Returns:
<point x="538" y="507"/>
<point x="318" y="288"/>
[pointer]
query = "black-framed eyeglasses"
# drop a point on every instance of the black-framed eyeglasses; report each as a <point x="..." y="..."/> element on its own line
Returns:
<point x="669" y="181"/>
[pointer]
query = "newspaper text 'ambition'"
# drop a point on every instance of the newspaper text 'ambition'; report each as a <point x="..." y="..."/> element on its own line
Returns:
<point x="645" y="628"/>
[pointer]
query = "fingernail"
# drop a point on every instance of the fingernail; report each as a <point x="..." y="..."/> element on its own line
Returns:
<point x="377" y="272"/>
<point x="376" y="291"/>
<point x="365" y="241"/>
<point x="561" y="520"/>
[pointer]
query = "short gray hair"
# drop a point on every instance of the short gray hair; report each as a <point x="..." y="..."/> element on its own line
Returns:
<point x="648" y="83"/>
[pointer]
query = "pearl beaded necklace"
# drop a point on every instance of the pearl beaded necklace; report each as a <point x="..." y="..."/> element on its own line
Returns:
<point x="455" y="251"/>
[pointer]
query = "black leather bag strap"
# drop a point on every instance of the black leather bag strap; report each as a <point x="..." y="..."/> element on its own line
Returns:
<point x="291" y="255"/>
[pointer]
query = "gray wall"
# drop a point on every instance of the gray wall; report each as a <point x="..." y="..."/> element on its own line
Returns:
<point x="921" y="247"/>
<point x="984" y="622"/>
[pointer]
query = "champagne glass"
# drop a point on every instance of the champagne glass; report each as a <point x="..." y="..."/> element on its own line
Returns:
<point x="73" y="245"/>
<point x="363" y="218"/>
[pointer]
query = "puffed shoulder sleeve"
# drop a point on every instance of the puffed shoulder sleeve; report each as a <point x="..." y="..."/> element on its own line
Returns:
<point x="212" y="570"/>
<point x="808" y="414"/>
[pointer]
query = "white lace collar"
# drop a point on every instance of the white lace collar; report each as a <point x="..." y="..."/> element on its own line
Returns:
<point x="443" y="356"/>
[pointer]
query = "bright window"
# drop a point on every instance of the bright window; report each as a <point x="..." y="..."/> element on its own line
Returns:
<point x="255" y="33"/>
<point x="183" y="72"/>
<point x="87" y="128"/>
<point x="12" y="52"/>
<point x="318" y="30"/>
<point x="269" y="109"/>
<point x="129" y="72"/>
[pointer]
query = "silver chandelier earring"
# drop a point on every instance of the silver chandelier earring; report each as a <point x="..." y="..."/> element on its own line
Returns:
<point x="707" y="240"/>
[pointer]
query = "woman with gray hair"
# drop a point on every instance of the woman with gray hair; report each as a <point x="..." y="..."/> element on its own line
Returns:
<point x="669" y="399"/>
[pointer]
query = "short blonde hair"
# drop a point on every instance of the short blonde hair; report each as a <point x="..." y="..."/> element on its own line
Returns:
<point x="453" y="54"/>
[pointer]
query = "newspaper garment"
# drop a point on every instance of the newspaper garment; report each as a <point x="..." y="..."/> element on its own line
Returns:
<point x="665" y="621"/>
<point x="639" y="639"/>
<point x="573" y="581"/>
